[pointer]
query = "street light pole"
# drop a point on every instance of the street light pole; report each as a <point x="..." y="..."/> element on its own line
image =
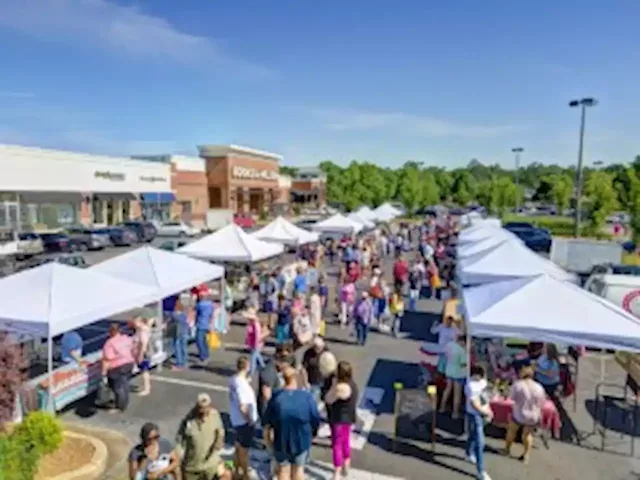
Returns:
<point x="583" y="104"/>
<point x="517" y="151"/>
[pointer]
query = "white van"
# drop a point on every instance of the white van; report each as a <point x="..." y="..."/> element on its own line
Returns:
<point x="621" y="290"/>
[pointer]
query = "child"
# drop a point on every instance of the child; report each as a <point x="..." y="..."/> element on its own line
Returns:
<point x="396" y="306"/>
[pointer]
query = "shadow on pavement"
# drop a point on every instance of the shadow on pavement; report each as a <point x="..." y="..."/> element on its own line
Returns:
<point x="387" y="372"/>
<point x="416" y="326"/>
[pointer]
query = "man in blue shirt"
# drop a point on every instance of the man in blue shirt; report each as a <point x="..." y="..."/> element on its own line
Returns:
<point x="283" y="325"/>
<point x="71" y="347"/>
<point x="300" y="282"/>
<point x="204" y="314"/>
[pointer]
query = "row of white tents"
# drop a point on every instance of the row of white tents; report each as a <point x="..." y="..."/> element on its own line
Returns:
<point x="509" y="291"/>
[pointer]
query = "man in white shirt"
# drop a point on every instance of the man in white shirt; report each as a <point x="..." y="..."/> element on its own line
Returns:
<point x="478" y="411"/>
<point x="243" y="414"/>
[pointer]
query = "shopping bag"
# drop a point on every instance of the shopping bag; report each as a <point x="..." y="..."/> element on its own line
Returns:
<point x="435" y="281"/>
<point x="213" y="341"/>
<point x="322" y="329"/>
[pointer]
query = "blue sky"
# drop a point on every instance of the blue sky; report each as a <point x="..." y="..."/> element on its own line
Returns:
<point x="439" y="82"/>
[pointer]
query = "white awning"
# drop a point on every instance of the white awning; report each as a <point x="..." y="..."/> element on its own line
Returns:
<point x="338" y="223"/>
<point x="283" y="231"/>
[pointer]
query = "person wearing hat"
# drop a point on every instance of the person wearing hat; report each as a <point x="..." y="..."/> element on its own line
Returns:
<point x="199" y="441"/>
<point x="154" y="458"/>
<point x="312" y="374"/>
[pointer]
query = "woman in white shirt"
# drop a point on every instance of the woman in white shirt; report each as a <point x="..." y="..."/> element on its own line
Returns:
<point x="447" y="332"/>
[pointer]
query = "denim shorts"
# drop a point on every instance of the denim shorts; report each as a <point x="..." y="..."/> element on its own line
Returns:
<point x="285" y="459"/>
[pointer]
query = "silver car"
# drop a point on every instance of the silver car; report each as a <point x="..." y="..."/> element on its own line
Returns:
<point x="88" y="238"/>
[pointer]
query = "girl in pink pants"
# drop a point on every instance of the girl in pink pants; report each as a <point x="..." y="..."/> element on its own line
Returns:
<point x="341" y="412"/>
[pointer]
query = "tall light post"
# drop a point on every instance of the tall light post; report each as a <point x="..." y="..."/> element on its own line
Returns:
<point x="517" y="151"/>
<point x="583" y="104"/>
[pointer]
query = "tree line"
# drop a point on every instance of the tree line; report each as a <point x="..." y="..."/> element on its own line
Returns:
<point x="417" y="186"/>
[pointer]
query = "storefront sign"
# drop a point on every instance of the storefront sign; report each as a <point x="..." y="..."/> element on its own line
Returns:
<point x="253" y="173"/>
<point x="152" y="179"/>
<point x="111" y="176"/>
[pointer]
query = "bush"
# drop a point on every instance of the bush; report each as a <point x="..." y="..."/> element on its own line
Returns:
<point x="18" y="461"/>
<point x="42" y="431"/>
<point x="558" y="226"/>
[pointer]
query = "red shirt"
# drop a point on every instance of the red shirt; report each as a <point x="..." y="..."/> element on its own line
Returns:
<point x="200" y="290"/>
<point x="401" y="270"/>
<point x="354" y="272"/>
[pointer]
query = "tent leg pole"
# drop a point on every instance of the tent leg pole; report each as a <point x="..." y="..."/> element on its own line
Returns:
<point x="50" y="403"/>
<point x="464" y="423"/>
<point x="160" y="332"/>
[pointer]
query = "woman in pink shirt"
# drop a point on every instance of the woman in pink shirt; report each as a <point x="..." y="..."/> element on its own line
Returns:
<point x="528" y="398"/>
<point x="347" y="300"/>
<point x="117" y="365"/>
<point x="255" y="338"/>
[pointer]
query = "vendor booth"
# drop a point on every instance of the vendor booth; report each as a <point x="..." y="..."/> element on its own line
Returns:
<point x="485" y="246"/>
<point x="367" y="224"/>
<point x="45" y="302"/>
<point x="282" y="231"/>
<point x="386" y="212"/>
<point x="338" y="223"/>
<point x="366" y="213"/>
<point x="231" y="244"/>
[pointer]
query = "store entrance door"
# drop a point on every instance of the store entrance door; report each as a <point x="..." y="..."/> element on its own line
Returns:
<point x="10" y="216"/>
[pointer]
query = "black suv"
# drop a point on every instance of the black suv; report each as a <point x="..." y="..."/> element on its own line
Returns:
<point x="145" y="231"/>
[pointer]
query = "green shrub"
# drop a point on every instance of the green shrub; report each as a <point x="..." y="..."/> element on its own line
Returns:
<point x="18" y="459"/>
<point x="41" y="430"/>
<point x="558" y="226"/>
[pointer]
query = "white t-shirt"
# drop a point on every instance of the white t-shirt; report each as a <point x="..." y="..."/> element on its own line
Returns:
<point x="241" y="393"/>
<point x="473" y="390"/>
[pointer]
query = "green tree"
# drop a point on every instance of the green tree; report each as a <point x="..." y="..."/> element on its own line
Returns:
<point x="463" y="187"/>
<point x="410" y="189"/>
<point x="631" y="202"/>
<point x="290" y="171"/>
<point x="602" y="198"/>
<point x="561" y="191"/>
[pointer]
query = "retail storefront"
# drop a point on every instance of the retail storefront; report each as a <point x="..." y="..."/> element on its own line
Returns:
<point x="48" y="188"/>
<point x="309" y="188"/>
<point x="241" y="179"/>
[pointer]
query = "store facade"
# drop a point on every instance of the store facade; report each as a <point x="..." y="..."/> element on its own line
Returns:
<point x="309" y="188"/>
<point x="241" y="179"/>
<point x="42" y="188"/>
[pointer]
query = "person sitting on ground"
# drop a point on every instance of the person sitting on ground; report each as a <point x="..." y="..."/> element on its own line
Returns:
<point x="528" y="399"/>
<point x="154" y="458"/>
<point x="200" y="439"/>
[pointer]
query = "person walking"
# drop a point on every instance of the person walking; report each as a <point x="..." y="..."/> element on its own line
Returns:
<point x="243" y="415"/>
<point x="477" y="414"/>
<point x="180" y="336"/>
<point x="117" y="365"/>
<point x="284" y="320"/>
<point x="312" y="374"/>
<point x="292" y="420"/>
<point x="363" y="313"/>
<point x="315" y="310"/>
<point x="528" y="398"/>
<point x="341" y="401"/>
<point x="396" y="307"/>
<point x="204" y="315"/>
<point x="142" y="340"/>
<point x="456" y="373"/>
<point x="254" y="338"/>
<point x="199" y="441"/>
<point x="347" y="301"/>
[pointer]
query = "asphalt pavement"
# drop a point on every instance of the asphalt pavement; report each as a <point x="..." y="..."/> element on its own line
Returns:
<point x="377" y="366"/>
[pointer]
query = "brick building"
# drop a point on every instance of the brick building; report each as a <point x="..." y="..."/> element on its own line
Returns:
<point x="309" y="188"/>
<point x="242" y="179"/>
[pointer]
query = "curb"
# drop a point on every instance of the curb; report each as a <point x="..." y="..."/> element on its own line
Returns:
<point x="92" y="469"/>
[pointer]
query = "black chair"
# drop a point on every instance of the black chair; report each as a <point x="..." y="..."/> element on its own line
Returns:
<point x="623" y="404"/>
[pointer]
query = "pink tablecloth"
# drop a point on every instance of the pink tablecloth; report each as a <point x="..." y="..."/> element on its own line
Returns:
<point x="502" y="408"/>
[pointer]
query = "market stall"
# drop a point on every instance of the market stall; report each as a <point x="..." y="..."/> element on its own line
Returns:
<point x="366" y="224"/>
<point x="386" y="212"/>
<point x="45" y="302"/>
<point x="338" y="223"/>
<point x="286" y="233"/>
<point x="485" y="246"/>
<point x="366" y="213"/>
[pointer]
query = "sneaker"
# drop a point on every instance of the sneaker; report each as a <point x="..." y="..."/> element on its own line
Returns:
<point x="485" y="476"/>
<point x="471" y="459"/>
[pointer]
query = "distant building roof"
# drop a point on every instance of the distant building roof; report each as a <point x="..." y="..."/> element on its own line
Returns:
<point x="225" y="150"/>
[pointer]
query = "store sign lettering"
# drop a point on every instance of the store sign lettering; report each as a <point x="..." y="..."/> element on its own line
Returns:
<point x="152" y="179"/>
<point x="111" y="176"/>
<point x="254" y="173"/>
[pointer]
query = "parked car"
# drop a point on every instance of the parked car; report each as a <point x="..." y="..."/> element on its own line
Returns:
<point x="121" y="236"/>
<point x="514" y="227"/>
<point x="177" y="229"/>
<point x="536" y="239"/>
<point x="89" y="238"/>
<point x="29" y="244"/>
<point x="57" y="242"/>
<point x="172" y="245"/>
<point x="71" y="259"/>
<point x="145" y="231"/>
<point x="244" y="220"/>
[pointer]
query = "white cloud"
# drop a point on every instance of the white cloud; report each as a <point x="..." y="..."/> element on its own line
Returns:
<point x="115" y="27"/>
<point x="351" y="120"/>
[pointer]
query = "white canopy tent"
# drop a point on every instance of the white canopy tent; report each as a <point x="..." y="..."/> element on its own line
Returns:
<point x="231" y="244"/>
<point x="479" y="233"/>
<point x="508" y="261"/>
<point x="545" y="309"/>
<point x="167" y="272"/>
<point x="283" y="231"/>
<point x="362" y="221"/>
<point x="338" y="223"/>
<point x="366" y="213"/>
<point x="486" y="245"/>
<point x="53" y="298"/>
<point x="386" y="212"/>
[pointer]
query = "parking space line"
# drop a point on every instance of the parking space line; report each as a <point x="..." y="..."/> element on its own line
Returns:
<point x="190" y="383"/>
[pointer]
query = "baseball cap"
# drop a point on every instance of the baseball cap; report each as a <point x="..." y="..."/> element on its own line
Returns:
<point x="204" y="400"/>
